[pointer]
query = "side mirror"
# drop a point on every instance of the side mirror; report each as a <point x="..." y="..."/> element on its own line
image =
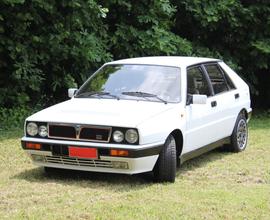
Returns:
<point x="199" y="99"/>
<point x="72" y="92"/>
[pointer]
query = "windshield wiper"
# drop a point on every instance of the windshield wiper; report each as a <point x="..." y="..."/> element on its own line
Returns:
<point x="144" y="95"/>
<point x="96" y="93"/>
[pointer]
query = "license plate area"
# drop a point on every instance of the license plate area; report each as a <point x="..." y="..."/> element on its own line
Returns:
<point x="82" y="152"/>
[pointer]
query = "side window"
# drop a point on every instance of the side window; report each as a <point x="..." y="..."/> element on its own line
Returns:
<point x="217" y="79"/>
<point x="196" y="82"/>
<point x="228" y="80"/>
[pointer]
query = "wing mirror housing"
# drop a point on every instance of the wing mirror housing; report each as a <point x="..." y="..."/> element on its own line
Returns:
<point x="199" y="99"/>
<point x="72" y="92"/>
<point x="196" y="99"/>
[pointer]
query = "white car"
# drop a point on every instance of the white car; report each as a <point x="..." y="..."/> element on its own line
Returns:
<point x="143" y="114"/>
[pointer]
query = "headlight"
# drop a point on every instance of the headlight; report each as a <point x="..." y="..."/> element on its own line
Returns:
<point x="118" y="136"/>
<point x="42" y="131"/>
<point x="131" y="136"/>
<point x="32" y="129"/>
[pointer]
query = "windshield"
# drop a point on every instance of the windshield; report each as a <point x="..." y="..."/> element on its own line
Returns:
<point x="139" y="82"/>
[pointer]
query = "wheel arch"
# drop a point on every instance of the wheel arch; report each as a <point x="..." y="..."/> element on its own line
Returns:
<point x="244" y="112"/>
<point x="178" y="136"/>
<point x="233" y="146"/>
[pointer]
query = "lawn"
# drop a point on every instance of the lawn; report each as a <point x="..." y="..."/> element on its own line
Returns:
<point x="217" y="185"/>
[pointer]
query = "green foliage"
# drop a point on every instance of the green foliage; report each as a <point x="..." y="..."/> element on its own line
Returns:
<point x="13" y="118"/>
<point x="49" y="46"/>
<point x="143" y="29"/>
<point x="236" y="31"/>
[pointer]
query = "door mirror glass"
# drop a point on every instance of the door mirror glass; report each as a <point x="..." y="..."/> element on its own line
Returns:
<point x="199" y="99"/>
<point x="72" y="92"/>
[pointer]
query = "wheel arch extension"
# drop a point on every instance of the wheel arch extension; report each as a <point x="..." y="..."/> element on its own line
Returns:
<point x="178" y="136"/>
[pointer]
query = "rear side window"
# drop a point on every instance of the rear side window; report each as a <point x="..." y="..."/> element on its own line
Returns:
<point x="217" y="78"/>
<point x="196" y="82"/>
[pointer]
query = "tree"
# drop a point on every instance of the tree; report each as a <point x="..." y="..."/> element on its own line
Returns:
<point x="236" y="31"/>
<point x="48" y="46"/>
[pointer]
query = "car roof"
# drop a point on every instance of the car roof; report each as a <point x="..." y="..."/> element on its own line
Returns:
<point x="176" y="61"/>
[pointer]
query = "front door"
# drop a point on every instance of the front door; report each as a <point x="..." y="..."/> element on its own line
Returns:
<point x="200" y="128"/>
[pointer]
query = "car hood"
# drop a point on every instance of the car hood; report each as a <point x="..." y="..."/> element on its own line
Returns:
<point x="111" y="112"/>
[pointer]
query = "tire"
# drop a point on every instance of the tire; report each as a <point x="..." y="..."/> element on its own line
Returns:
<point x="165" y="168"/>
<point x="239" y="136"/>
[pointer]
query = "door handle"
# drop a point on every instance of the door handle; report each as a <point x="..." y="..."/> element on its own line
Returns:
<point x="213" y="104"/>
<point x="236" y="96"/>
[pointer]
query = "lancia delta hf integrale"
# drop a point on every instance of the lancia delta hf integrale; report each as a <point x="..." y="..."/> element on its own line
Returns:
<point x="143" y="114"/>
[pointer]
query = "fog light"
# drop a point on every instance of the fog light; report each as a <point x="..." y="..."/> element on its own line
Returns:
<point x="120" y="165"/>
<point x="38" y="158"/>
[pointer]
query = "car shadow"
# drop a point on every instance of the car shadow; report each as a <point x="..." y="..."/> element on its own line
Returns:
<point x="95" y="179"/>
<point x="85" y="178"/>
<point x="202" y="160"/>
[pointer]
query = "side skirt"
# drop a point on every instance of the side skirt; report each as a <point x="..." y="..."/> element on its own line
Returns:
<point x="204" y="149"/>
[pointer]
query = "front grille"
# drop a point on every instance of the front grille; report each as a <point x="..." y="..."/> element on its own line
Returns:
<point x="63" y="131"/>
<point x="75" y="161"/>
<point x="80" y="132"/>
<point x="99" y="134"/>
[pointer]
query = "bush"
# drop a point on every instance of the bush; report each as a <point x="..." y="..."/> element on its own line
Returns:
<point x="48" y="46"/>
<point x="13" y="118"/>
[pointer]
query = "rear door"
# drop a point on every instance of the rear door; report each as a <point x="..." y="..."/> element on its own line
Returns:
<point x="225" y="98"/>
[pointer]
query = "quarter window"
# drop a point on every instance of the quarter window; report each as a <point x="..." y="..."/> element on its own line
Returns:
<point x="196" y="82"/>
<point x="228" y="80"/>
<point x="217" y="78"/>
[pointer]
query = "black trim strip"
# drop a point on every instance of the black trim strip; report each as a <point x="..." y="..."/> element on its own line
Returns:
<point x="143" y="152"/>
<point x="62" y="150"/>
<point x="202" y="150"/>
<point x="204" y="62"/>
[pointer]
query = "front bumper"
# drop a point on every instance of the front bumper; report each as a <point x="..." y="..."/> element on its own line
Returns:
<point x="54" y="153"/>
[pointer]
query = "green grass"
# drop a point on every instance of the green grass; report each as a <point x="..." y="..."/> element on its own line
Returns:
<point x="217" y="185"/>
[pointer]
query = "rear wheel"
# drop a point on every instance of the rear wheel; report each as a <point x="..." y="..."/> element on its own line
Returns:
<point x="165" y="168"/>
<point x="239" y="136"/>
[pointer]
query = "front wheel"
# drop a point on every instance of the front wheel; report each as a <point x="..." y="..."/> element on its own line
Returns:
<point x="239" y="136"/>
<point x="165" y="168"/>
